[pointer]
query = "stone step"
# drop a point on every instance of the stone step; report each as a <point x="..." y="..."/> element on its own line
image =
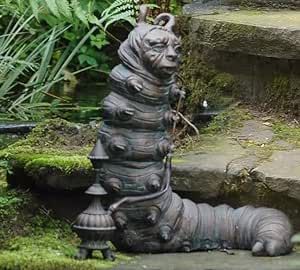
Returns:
<point x="200" y="5"/>
<point x="248" y="167"/>
<point x="263" y="33"/>
<point x="240" y="260"/>
<point x="207" y="173"/>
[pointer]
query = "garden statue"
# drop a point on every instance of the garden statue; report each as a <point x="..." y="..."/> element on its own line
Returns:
<point x="135" y="152"/>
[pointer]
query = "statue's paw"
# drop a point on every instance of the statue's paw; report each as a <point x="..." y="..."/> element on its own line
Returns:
<point x="134" y="84"/>
<point x="182" y="94"/>
<point x="270" y="248"/>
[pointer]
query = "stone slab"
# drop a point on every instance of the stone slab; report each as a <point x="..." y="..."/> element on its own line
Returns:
<point x="205" y="172"/>
<point x="241" y="260"/>
<point x="253" y="130"/>
<point x="281" y="173"/>
<point x="262" y="33"/>
<point x="202" y="5"/>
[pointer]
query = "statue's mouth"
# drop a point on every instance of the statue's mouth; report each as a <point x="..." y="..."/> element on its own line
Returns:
<point x="169" y="69"/>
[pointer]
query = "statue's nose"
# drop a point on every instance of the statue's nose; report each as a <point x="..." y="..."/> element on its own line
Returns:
<point x="171" y="54"/>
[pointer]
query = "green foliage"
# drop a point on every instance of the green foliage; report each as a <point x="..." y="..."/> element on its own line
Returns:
<point x="282" y="95"/>
<point x="27" y="68"/>
<point x="9" y="203"/>
<point x="172" y="6"/>
<point x="175" y="6"/>
<point x="31" y="239"/>
<point x="203" y="82"/>
<point x="227" y="120"/>
<point x="34" y="53"/>
<point x="85" y="11"/>
<point x="289" y="132"/>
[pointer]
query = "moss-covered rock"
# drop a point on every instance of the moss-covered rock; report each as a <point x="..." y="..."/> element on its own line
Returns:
<point x="201" y="80"/>
<point x="254" y="53"/>
<point x="54" y="155"/>
<point x="283" y="94"/>
<point x="211" y="6"/>
<point x="269" y="34"/>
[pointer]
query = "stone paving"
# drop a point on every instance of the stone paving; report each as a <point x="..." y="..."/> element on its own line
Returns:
<point x="204" y="171"/>
<point x="241" y="260"/>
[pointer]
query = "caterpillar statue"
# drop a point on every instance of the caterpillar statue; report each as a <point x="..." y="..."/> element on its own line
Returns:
<point x="137" y="116"/>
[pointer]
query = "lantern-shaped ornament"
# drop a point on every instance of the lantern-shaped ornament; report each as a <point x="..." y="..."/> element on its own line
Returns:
<point x="95" y="226"/>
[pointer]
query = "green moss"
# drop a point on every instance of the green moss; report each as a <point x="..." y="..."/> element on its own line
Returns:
<point x="54" y="145"/>
<point x="212" y="137"/>
<point x="45" y="259"/>
<point x="282" y="96"/>
<point x="60" y="133"/>
<point x="31" y="239"/>
<point x="201" y="81"/>
<point x="62" y="163"/>
<point x="228" y="120"/>
<point x="53" y="248"/>
<point x="287" y="132"/>
<point x="32" y="159"/>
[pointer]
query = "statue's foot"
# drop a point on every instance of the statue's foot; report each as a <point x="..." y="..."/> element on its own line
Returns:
<point x="83" y="254"/>
<point x="270" y="248"/>
<point x="108" y="254"/>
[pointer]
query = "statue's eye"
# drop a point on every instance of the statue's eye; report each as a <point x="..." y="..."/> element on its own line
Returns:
<point x="159" y="47"/>
<point x="177" y="49"/>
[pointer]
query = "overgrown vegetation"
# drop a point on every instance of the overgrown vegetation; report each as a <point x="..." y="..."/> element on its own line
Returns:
<point x="54" y="145"/>
<point x="289" y="132"/>
<point x="228" y="120"/>
<point x="224" y="123"/>
<point x="31" y="239"/>
<point x="283" y="96"/>
<point x="202" y="82"/>
<point x="42" y="38"/>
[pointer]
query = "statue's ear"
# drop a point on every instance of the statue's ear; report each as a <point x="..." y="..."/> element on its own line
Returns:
<point x="166" y="20"/>
<point x="143" y="14"/>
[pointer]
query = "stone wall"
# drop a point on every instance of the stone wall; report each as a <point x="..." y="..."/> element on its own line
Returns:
<point x="264" y="62"/>
<point x="257" y="3"/>
<point x="266" y="82"/>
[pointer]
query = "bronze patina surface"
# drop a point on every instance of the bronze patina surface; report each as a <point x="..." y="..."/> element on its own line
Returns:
<point x="135" y="136"/>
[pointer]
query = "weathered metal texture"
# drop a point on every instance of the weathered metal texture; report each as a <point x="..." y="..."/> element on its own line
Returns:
<point x="95" y="226"/>
<point x="137" y="116"/>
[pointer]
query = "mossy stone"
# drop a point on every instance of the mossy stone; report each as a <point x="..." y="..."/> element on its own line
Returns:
<point x="53" y="156"/>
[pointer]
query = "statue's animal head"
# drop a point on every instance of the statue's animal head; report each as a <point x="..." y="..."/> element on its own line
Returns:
<point x="152" y="50"/>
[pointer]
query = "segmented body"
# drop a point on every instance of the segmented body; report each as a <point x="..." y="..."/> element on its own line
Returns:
<point x="137" y="117"/>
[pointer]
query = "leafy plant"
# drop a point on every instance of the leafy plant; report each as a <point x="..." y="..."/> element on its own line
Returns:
<point x="80" y="15"/>
<point x="70" y="10"/>
<point x="25" y="72"/>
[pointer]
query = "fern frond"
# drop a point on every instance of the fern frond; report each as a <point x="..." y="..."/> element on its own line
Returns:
<point x="124" y="10"/>
<point x="64" y="8"/>
<point x="124" y="16"/>
<point x="115" y="4"/>
<point x="51" y="4"/>
<point x="35" y="8"/>
<point x="79" y="12"/>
